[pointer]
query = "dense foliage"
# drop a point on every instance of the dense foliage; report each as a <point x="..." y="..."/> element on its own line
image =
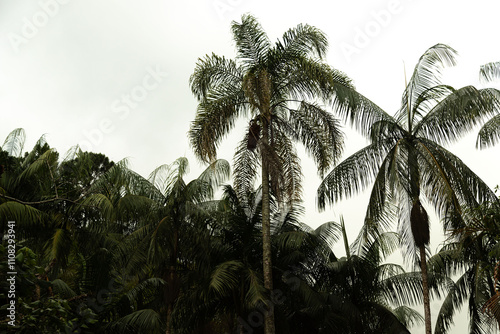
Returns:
<point x="102" y="249"/>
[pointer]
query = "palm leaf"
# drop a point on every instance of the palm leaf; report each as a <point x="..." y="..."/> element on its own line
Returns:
<point x="226" y="277"/>
<point x="489" y="134"/>
<point x="27" y="216"/>
<point x="303" y="40"/>
<point x="489" y="71"/>
<point x="351" y="176"/>
<point x="246" y="163"/>
<point x="215" y="117"/>
<point x="14" y="143"/>
<point x="213" y="72"/>
<point x="319" y="132"/>
<point x="142" y="321"/>
<point x="427" y="74"/>
<point x="408" y="316"/>
<point x="59" y="247"/>
<point x="252" y="43"/>
<point x="62" y="289"/>
<point x="456" y="115"/>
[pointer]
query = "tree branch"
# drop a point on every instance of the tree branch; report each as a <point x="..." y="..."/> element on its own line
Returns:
<point x="57" y="199"/>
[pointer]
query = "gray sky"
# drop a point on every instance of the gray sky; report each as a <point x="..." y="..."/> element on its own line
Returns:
<point x="112" y="76"/>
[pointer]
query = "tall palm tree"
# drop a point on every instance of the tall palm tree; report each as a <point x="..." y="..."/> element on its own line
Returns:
<point x="275" y="87"/>
<point x="407" y="162"/>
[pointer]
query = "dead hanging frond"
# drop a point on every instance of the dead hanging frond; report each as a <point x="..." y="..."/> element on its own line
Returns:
<point x="419" y="221"/>
<point x="257" y="85"/>
<point x="253" y="135"/>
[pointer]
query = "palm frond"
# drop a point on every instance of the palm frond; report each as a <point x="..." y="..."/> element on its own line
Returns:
<point x="14" y="143"/>
<point x="151" y="286"/>
<point x="408" y="316"/>
<point x="132" y="207"/>
<point x="457" y="114"/>
<point x="212" y="72"/>
<point x="226" y="277"/>
<point x="141" y="321"/>
<point x="290" y="241"/>
<point x="489" y="134"/>
<point x="59" y="247"/>
<point x="303" y="40"/>
<point x="381" y="212"/>
<point x="320" y="133"/>
<point x="427" y="74"/>
<point x="380" y="248"/>
<point x="490" y="71"/>
<point x="35" y="152"/>
<point x="329" y="233"/>
<point x="351" y="176"/>
<point x="256" y="293"/>
<point x="215" y="117"/>
<point x="215" y="174"/>
<point x="429" y="99"/>
<point x="404" y="289"/>
<point x="246" y="163"/>
<point x="355" y="108"/>
<point x="447" y="181"/>
<point x="252" y="43"/>
<point x="284" y="168"/>
<point x="102" y="202"/>
<point x="27" y="216"/>
<point x="43" y="165"/>
<point x="62" y="289"/>
<point x="301" y="78"/>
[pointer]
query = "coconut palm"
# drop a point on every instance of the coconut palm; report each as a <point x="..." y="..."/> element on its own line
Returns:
<point x="274" y="86"/>
<point x="407" y="163"/>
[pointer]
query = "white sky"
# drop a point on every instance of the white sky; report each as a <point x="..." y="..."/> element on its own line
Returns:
<point x="67" y="66"/>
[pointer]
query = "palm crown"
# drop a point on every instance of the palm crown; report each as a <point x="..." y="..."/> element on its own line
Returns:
<point x="274" y="86"/>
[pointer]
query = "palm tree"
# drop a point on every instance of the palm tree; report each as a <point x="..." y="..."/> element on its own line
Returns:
<point x="275" y="87"/>
<point x="408" y="163"/>
<point x="157" y="251"/>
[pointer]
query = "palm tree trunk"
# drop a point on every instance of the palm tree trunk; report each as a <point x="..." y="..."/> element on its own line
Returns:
<point x="266" y="238"/>
<point x="425" y="287"/>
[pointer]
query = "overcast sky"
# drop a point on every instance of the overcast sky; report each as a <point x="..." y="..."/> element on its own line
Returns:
<point x="112" y="76"/>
